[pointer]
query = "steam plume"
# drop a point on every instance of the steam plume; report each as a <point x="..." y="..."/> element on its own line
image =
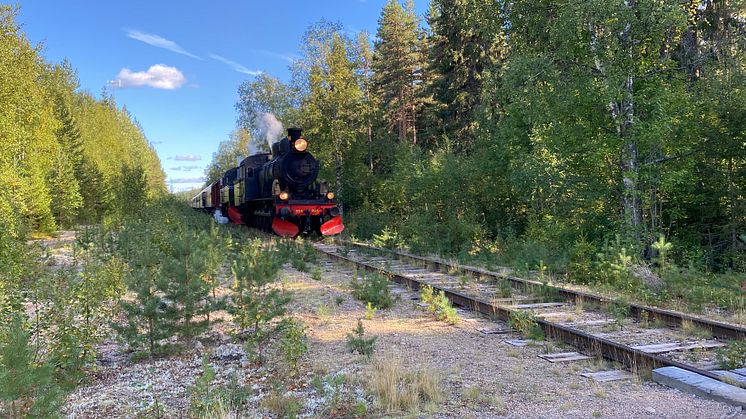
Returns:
<point x="269" y="125"/>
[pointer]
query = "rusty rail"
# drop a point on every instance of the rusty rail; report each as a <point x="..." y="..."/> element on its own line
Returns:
<point x="669" y="317"/>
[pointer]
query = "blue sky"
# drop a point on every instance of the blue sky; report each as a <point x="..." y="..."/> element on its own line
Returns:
<point x="179" y="63"/>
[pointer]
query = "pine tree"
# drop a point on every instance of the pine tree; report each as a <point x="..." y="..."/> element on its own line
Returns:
<point x="146" y="322"/>
<point x="184" y="286"/>
<point x="27" y="389"/>
<point x="255" y="301"/>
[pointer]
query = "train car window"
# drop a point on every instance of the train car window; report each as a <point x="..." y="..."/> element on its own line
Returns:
<point x="250" y="172"/>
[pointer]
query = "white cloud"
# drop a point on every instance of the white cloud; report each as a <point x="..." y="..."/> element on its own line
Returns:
<point x="186" y="168"/>
<point x="158" y="76"/>
<point x="188" y="180"/>
<point x="236" y="66"/>
<point x="160" y="42"/>
<point x="187" y="157"/>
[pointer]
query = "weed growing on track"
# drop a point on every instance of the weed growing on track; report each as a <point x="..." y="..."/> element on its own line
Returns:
<point x="525" y="323"/>
<point x="373" y="289"/>
<point x="439" y="305"/>
<point x="619" y="310"/>
<point x="733" y="355"/>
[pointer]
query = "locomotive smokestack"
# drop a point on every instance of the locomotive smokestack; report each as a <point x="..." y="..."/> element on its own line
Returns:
<point x="294" y="133"/>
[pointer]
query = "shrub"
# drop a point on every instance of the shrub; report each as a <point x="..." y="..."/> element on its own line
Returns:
<point x="373" y="289"/>
<point x="525" y="323"/>
<point x="356" y="342"/>
<point x="733" y="355"/>
<point x="293" y="342"/>
<point x="370" y="311"/>
<point x="439" y="305"/>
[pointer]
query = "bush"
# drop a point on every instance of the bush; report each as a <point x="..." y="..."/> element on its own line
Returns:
<point x="439" y="305"/>
<point x="356" y="342"/>
<point x="206" y="401"/>
<point x="373" y="289"/>
<point x="733" y="355"/>
<point x="293" y="342"/>
<point x="524" y="322"/>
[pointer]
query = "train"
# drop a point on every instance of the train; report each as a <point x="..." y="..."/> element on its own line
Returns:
<point x="275" y="192"/>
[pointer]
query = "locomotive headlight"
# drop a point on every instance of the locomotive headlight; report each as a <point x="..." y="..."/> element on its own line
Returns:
<point x="330" y="195"/>
<point x="284" y="196"/>
<point x="300" y="144"/>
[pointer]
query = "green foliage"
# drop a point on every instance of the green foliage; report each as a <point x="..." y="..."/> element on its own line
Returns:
<point x="207" y="401"/>
<point x="293" y="343"/>
<point x="27" y="388"/>
<point x="439" y="305"/>
<point x="388" y="239"/>
<point x="357" y="342"/>
<point x="58" y="141"/>
<point x="370" y="311"/>
<point x="256" y="303"/>
<point x="619" y="310"/>
<point x="525" y="323"/>
<point x="732" y="356"/>
<point x="172" y="264"/>
<point x="338" y="300"/>
<point x="373" y="289"/>
<point x="316" y="274"/>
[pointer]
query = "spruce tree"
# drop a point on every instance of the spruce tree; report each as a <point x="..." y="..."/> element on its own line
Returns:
<point x="467" y="39"/>
<point x="66" y="199"/>
<point x="397" y="61"/>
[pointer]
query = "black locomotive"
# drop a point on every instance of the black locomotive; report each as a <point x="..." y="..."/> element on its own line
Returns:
<point x="275" y="191"/>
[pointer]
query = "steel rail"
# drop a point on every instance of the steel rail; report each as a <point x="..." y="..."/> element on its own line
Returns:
<point x="669" y="317"/>
<point x="634" y="359"/>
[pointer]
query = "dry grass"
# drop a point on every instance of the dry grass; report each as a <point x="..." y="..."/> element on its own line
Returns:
<point x="398" y="389"/>
<point x="688" y="327"/>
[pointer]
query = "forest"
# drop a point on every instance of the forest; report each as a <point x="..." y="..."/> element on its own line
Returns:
<point x="67" y="158"/>
<point x="537" y="133"/>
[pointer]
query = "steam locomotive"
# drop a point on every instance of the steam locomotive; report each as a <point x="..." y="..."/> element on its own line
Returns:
<point x="276" y="192"/>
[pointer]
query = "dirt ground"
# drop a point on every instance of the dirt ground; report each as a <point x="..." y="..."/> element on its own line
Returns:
<point x="480" y="376"/>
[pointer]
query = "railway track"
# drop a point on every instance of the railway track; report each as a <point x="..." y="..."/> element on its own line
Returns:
<point x="569" y="316"/>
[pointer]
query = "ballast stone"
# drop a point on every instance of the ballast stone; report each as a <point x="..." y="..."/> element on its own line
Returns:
<point x="702" y="386"/>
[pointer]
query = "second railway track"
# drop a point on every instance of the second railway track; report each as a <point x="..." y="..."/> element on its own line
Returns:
<point x="565" y="320"/>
